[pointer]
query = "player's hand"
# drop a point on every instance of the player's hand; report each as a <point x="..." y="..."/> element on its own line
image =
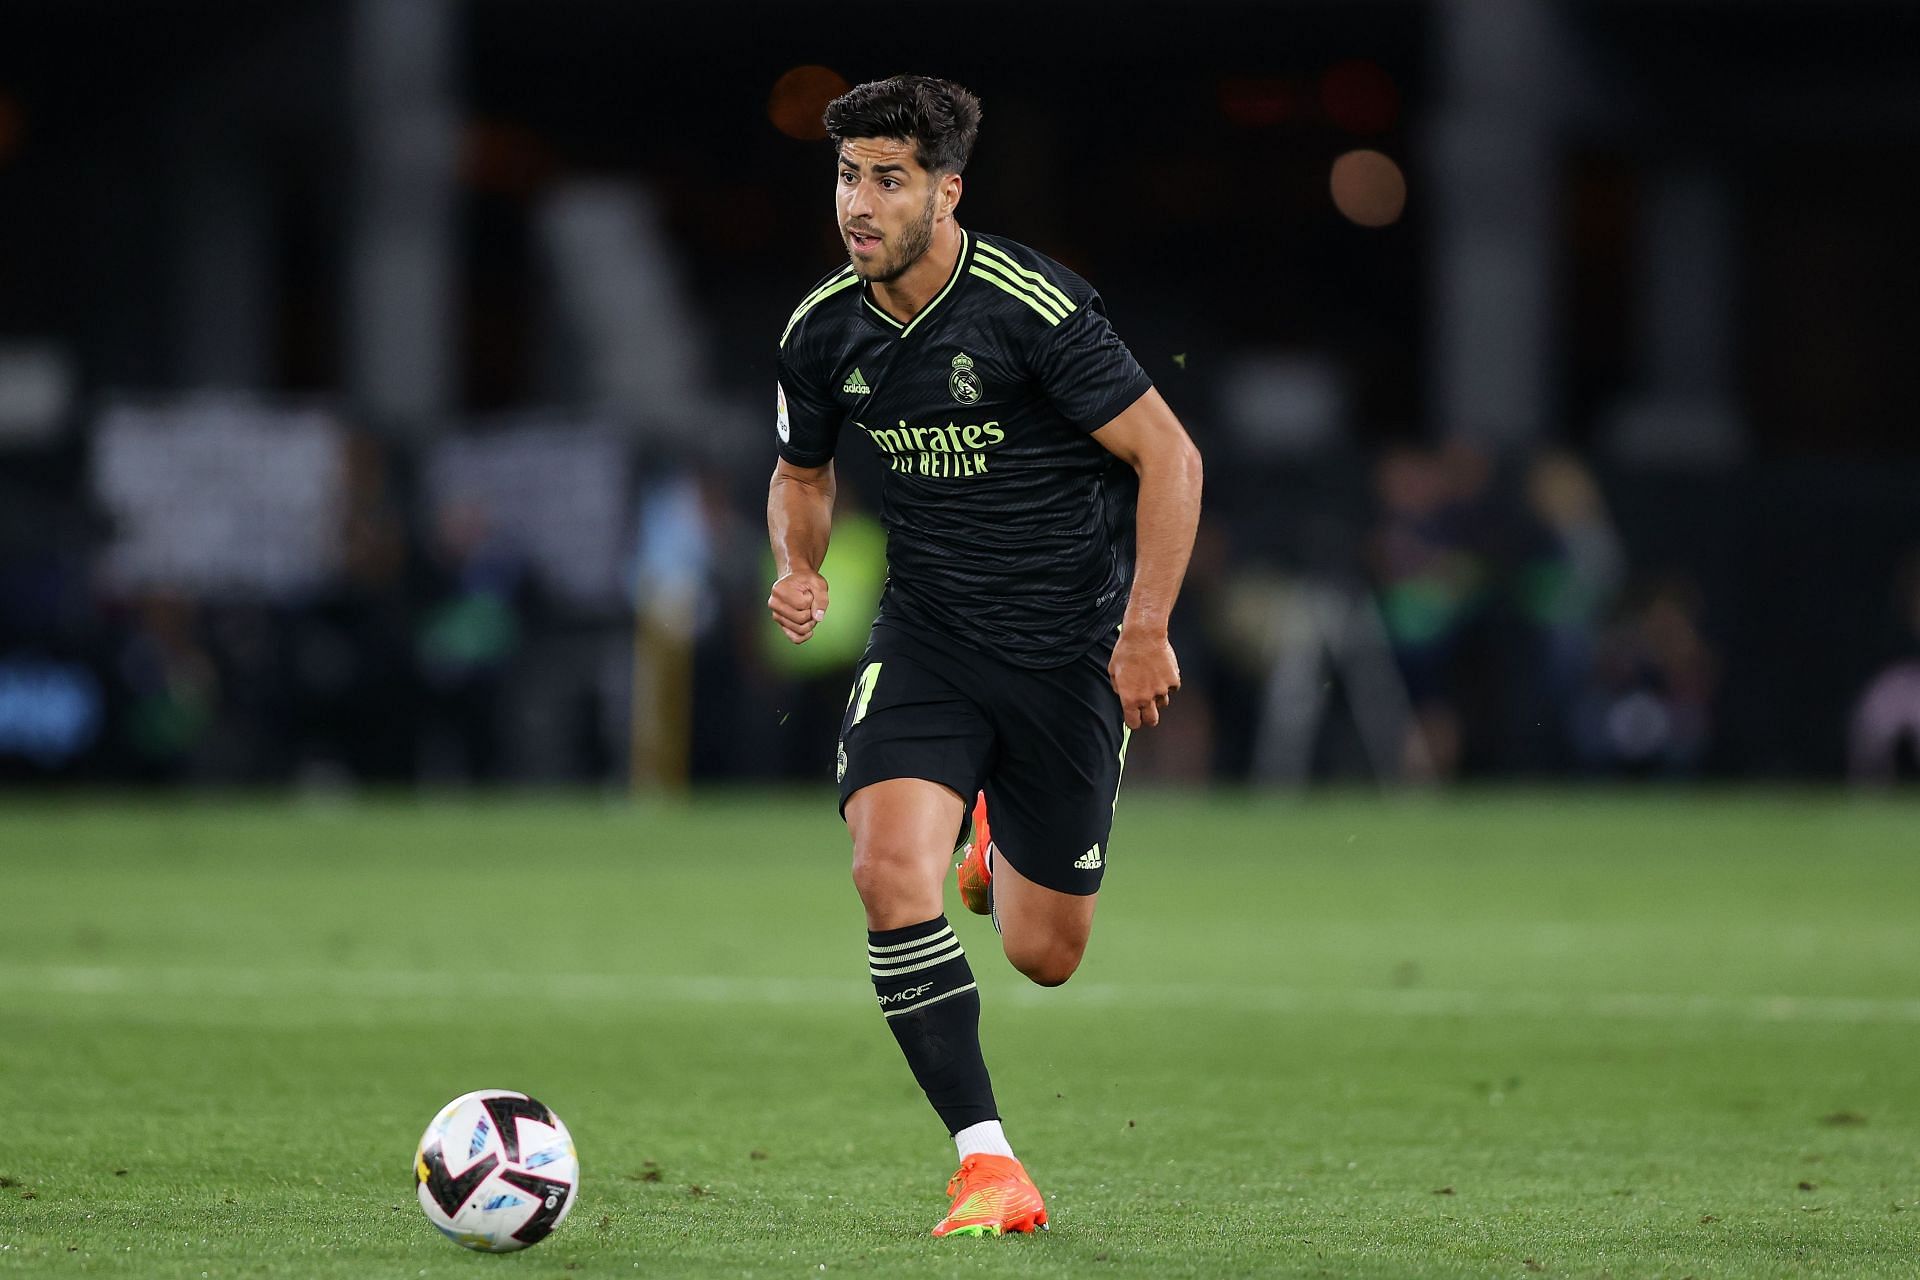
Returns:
<point x="1144" y="673"/>
<point x="798" y="602"/>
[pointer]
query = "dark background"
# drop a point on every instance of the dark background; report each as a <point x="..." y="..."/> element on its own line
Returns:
<point x="1662" y="245"/>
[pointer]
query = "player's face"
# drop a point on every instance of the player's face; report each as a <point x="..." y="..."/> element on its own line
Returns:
<point x="885" y="202"/>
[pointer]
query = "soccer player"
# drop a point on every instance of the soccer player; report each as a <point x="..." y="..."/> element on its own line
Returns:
<point x="1040" y="500"/>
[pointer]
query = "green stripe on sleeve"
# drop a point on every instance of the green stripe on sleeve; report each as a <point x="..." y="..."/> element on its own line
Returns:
<point x="997" y="282"/>
<point x="1039" y="283"/>
<point x="987" y="271"/>
<point x="815" y="298"/>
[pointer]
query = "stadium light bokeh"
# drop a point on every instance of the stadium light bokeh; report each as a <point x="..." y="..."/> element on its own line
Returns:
<point x="1368" y="188"/>
<point x="799" y="101"/>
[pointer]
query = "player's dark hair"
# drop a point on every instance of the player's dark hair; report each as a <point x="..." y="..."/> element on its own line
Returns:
<point x="939" y="117"/>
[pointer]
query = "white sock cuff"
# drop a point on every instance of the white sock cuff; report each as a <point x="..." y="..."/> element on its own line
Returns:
<point x="985" y="1138"/>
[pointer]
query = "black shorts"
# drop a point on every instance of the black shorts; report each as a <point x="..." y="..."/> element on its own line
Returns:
<point x="1047" y="746"/>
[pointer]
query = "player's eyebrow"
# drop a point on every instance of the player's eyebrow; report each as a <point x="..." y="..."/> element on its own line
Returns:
<point x="887" y="166"/>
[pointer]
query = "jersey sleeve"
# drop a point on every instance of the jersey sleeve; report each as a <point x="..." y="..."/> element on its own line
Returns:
<point x="1087" y="371"/>
<point x="808" y="423"/>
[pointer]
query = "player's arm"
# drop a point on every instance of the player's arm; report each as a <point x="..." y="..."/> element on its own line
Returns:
<point x="799" y="520"/>
<point x="1147" y="437"/>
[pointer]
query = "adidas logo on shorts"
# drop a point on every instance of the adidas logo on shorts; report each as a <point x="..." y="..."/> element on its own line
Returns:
<point x="1088" y="861"/>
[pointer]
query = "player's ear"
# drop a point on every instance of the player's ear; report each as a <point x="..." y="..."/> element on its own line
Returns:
<point x="949" y="194"/>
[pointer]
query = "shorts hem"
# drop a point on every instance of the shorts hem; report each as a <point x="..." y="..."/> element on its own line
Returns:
<point x="1079" y="889"/>
<point x="848" y="788"/>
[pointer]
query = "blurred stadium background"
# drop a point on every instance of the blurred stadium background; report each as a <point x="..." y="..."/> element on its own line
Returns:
<point x="386" y="385"/>
<point x="386" y="406"/>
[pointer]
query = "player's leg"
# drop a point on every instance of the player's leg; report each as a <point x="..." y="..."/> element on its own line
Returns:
<point x="1048" y="932"/>
<point x="903" y="832"/>
<point x="911" y="746"/>
<point x="1052" y="797"/>
<point x="902" y="837"/>
<point x="1043" y="931"/>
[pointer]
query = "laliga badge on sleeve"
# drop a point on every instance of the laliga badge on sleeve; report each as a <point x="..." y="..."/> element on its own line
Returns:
<point x="781" y="425"/>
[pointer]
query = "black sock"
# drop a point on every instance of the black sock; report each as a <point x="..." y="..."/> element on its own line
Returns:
<point x="926" y="991"/>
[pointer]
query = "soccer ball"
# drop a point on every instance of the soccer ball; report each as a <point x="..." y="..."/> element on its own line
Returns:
<point x="497" y="1171"/>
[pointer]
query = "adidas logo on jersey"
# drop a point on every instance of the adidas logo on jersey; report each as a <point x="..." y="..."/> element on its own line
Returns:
<point x="856" y="385"/>
<point x="1088" y="861"/>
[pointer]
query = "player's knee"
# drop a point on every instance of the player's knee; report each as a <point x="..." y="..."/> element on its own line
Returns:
<point x="873" y="872"/>
<point x="1048" y="962"/>
<point x="884" y="873"/>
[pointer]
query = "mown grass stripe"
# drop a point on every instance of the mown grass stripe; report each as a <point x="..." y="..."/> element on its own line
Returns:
<point x="279" y="985"/>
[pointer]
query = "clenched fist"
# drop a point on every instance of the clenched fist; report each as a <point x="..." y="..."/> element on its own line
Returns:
<point x="798" y="602"/>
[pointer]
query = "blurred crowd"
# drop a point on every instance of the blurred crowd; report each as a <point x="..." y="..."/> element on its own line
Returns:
<point x="412" y="426"/>
<point x="1485" y="621"/>
<point x="1419" y="613"/>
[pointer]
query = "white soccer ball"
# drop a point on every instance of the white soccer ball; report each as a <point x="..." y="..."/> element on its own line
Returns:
<point x="497" y="1171"/>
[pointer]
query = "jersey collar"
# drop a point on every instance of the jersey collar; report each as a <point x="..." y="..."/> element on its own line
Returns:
<point x="899" y="330"/>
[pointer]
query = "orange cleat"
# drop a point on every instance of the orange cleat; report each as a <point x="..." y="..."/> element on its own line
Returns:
<point x="992" y="1195"/>
<point x="975" y="872"/>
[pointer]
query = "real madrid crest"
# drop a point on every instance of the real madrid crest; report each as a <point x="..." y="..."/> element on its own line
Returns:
<point x="965" y="383"/>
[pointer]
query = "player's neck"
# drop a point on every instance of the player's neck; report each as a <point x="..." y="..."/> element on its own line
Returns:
<point x="907" y="295"/>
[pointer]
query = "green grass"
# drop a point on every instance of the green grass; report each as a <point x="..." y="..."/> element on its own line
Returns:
<point x="1479" y="1036"/>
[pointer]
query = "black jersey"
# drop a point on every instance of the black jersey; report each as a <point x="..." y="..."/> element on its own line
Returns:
<point x="1008" y="527"/>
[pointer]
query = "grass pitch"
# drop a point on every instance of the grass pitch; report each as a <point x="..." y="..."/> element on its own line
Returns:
<point x="1482" y="1036"/>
